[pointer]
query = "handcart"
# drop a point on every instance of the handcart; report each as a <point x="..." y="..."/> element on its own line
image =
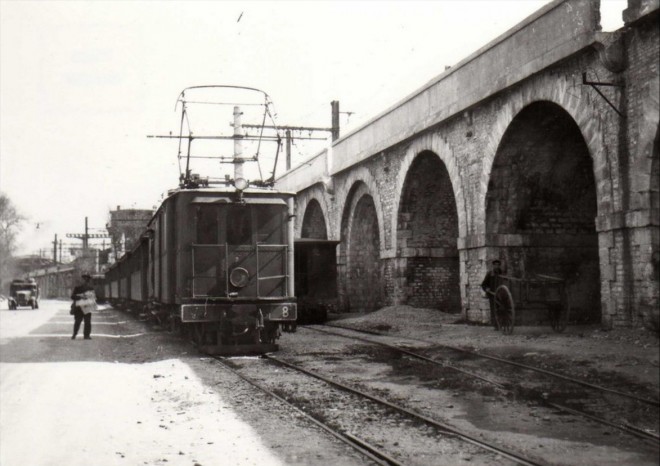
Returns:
<point x="520" y="294"/>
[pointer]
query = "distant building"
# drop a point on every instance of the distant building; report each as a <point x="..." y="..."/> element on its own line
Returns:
<point x="25" y="264"/>
<point x="126" y="226"/>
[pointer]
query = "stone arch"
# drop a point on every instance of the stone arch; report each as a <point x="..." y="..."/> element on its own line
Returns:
<point x="314" y="194"/>
<point x="427" y="232"/>
<point x="654" y="188"/>
<point x="313" y="223"/>
<point x="646" y="157"/>
<point x="360" y="274"/>
<point x="358" y="178"/>
<point x="650" y="299"/>
<point x="432" y="142"/>
<point x="541" y="204"/>
<point x="572" y="101"/>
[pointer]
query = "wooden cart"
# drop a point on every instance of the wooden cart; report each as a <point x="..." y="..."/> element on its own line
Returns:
<point x="542" y="291"/>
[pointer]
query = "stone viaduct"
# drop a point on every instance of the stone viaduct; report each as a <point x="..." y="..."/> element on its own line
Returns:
<point x="509" y="155"/>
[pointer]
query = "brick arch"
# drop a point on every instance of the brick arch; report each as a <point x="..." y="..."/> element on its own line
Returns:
<point x="357" y="191"/>
<point x="434" y="143"/>
<point x="427" y="254"/>
<point x="314" y="194"/>
<point x="360" y="251"/>
<point x="360" y="180"/>
<point x="582" y="114"/>
<point x="646" y="158"/>
<point x="543" y="193"/>
<point x="314" y="224"/>
<point x="654" y="186"/>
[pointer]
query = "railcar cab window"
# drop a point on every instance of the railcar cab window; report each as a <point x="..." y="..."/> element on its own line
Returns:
<point x="239" y="225"/>
<point x="270" y="223"/>
<point x="207" y="225"/>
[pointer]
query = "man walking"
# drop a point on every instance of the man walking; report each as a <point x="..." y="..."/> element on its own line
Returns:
<point x="84" y="302"/>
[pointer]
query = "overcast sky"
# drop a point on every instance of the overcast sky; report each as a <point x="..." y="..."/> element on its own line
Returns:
<point x="83" y="83"/>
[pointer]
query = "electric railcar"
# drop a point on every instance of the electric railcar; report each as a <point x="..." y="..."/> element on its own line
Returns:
<point x="216" y="261"/>
<point x="217" y="264"/>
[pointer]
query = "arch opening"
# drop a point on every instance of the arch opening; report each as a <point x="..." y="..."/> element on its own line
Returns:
<point x="363" y="266"/>
<point x="313" y="225"/>
<point x="651" y="311"/>
<point x="542" y="199"/>
<point x="427" y="231"/>
<point x="655" y="172"/>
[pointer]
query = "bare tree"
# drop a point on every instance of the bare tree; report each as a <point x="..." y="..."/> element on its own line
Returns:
<point x="10" y="225"/>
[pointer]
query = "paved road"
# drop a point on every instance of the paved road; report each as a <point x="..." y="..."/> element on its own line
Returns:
<point x="87" y="402"/>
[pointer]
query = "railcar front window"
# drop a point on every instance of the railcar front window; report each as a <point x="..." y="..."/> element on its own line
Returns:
<point x="207" y="225"/>
<point x="270" y="223"/>
<point x="208" y="255"/>
<point x="239" y="226"/>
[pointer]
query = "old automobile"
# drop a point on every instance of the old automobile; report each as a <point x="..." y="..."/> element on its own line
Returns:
<point x="23" y="293"/>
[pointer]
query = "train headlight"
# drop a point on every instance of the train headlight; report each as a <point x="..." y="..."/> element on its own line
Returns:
<point x="241" y="183"/>
<point x="239" y="277"/>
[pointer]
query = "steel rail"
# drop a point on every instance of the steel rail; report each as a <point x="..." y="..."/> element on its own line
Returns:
<point x="518" y="364"/>
<point x="630" y="429"/>
<point x="359" y="445"/>
<point x="633" y="430"/>
<point x="447" y="429"/>
<point x="417" y="356"/>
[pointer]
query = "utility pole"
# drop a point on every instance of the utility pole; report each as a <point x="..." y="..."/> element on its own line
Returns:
<point x="55" y="249"/>
<point x="335" y="120"/>
<point x="333" y="130"/>
<point x="238" y="144"/>
<point x="288" y="149"/>
<point x="85" y="237"/>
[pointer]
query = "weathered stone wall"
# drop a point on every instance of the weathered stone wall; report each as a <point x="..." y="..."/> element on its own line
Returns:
<point x="640" y="226"/>
<point x="572" y="203"/>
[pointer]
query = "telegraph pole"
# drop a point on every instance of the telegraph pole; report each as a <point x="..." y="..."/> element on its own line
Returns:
<point x="55" y="249"/>
<point x="335" y="120"/>
<point x="288" y="149"/>
<point x="85" y="237"/>
<point x="333" y="130"/>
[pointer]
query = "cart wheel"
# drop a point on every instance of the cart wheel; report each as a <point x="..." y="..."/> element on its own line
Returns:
<point x="559" y="315"/>
<point x="505" y="310"/>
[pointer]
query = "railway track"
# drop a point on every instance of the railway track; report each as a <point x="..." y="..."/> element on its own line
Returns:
<point x="369" y="451"/>
<point x="375" y="453"/>
<point x="635" y="431"/>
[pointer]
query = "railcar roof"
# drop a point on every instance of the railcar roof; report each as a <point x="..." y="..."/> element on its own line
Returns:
<point x="227" y="190"/>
